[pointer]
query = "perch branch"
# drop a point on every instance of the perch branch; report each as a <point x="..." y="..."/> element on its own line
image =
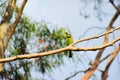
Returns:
<point x="33" y="55"/>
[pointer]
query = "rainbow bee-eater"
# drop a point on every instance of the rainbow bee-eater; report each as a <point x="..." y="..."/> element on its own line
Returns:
<point x="69" y="41"/>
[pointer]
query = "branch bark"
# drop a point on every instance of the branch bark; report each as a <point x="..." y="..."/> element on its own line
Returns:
<point x="4" y="26"/>
<point x="33" y="55"/>
<point x="97" y="59"/>
<point x="94" y="37"/>
<point x="13" y="27"/>
<point x="114" y="54"/>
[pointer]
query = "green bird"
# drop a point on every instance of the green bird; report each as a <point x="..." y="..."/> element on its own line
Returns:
<point x="69" y="41"/>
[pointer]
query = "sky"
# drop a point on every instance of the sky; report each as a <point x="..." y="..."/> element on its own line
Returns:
<point x="63" y="13"/>
<point x="66" y="13"/>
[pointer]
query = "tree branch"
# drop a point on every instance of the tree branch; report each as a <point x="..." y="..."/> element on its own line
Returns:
<point x="93" y="37"/>
<point x="105" y="57"/>
<point x="4" y="25"/>
<point x="114" y="54"/>
<point x="118" y="9"/>
<point x="13" y="27"/>
<point x="75" y="74"/>
<point x="96" y="61"/>
<point x="33" y="55"/>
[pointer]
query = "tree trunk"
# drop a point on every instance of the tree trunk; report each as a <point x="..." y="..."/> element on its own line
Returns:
<point x="3" y="31"/>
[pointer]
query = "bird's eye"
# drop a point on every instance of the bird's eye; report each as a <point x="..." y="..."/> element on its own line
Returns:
<point x="68" y="36"/>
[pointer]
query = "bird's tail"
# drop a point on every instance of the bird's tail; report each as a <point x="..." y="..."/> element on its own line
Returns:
<point x="70" y="54"/>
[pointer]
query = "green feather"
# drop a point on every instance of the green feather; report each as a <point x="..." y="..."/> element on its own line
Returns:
<point x="69" y="41"/>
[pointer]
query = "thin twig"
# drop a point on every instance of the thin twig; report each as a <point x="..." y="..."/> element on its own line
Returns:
<point x="105" y="57"/>
<point x="114" y="54"/>
<point x="101" y="50"/>
<point x="75" y="74"/>
<point x="93" y="37"/>
<point x="118" y="9"/>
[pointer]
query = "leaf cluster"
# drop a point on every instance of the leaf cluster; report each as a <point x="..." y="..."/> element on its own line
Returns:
<point x="30" y="35"/>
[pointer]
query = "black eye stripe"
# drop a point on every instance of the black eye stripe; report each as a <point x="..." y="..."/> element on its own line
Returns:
<point x="68" y="36"/>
